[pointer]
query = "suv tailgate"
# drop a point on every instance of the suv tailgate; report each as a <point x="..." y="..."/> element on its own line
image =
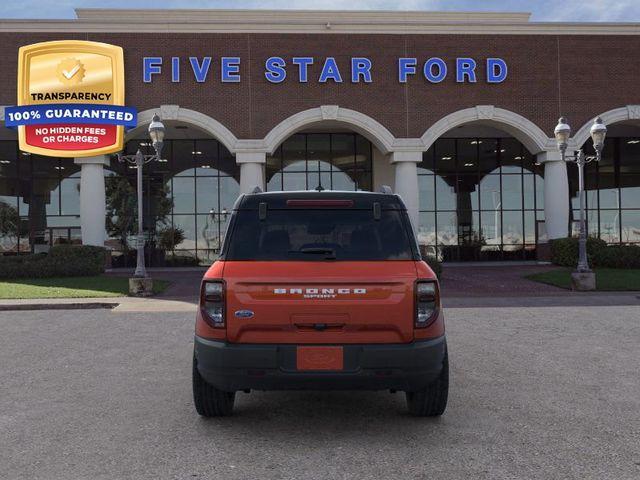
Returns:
<point x="320" y="302"/>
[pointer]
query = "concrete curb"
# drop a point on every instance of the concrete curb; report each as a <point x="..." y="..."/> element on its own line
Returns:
<point x="57" y="306"/>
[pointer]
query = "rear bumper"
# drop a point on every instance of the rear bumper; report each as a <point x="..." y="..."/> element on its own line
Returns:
<point x="408" y="367"/>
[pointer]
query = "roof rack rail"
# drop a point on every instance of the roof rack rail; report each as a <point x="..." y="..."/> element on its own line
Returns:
<point x="386" y="189"/>
<point x="256" y="189"/>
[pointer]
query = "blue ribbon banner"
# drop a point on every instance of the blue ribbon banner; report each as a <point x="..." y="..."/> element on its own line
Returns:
<point x="70" y="113"/>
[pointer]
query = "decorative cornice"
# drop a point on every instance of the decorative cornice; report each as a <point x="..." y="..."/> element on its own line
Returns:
<point x="310" y="21"/>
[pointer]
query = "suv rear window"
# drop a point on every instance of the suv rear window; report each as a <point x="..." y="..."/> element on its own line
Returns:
<point x="319" y="234"/>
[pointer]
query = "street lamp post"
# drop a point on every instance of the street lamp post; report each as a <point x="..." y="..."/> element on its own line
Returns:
<point x="156" y="133"/>
<point x="583" y="277"/>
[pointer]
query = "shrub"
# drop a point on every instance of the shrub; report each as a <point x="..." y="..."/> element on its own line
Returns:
<point x="618" y="256"/>
<point x="564" y="252"/>
<point x="182" y="261"/>
<point x="61" y="261"/>
<point x="170" y="237"/>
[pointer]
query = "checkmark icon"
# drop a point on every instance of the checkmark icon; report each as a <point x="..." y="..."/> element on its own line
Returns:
<point x="71" y="73"/>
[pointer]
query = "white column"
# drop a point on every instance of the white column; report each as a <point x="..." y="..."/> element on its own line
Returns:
<point x="93" y="208"/>
<point x="556" y="194"/>
<point x="251" y="170"/>
<point x="406" y="182"/>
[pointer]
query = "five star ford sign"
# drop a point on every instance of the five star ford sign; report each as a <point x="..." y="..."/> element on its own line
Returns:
<point x="71" y="99"/>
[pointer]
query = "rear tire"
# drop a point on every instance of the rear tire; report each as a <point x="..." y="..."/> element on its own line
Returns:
<point x="208" y="400"/>
<point x="432" y="401"/>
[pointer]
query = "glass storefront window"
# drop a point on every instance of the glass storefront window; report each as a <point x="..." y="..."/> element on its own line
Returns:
<point x="70" y="195"/>
<point x="511" y="155"/>
<point x="445" y="195"/>
<point x="487" y="195"/>
<point x="182" y="158"/>
<point x="183" y="194"/>
<point x="609" y="226"/>
<point x="207" y="195"/>
<point x="630" y="190"/>
<point x="512" y="192"/>
<point x="630" y="224"/>
<point x="332" y="161"/>
<point x="427" y="230"/>
<point x="479" y="197"/>
<point x="512" y="228"/>
<point x="447" y="233"/>
<point x="490" y="192"/>
<point x="426" y="194"/>
<point x="612" y="191"/>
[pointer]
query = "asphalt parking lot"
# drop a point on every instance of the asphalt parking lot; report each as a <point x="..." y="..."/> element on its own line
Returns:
<point x="548" y="392"/>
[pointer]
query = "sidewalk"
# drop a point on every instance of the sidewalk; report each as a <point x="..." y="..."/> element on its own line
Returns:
<point x="496" y="280"/>
<point x="117" y="304"/>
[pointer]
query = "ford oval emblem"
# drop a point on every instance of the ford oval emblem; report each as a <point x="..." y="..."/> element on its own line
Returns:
<point x="244" y="313"/>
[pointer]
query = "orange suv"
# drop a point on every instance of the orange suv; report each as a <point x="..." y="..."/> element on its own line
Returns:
<point x="320" y="290"/>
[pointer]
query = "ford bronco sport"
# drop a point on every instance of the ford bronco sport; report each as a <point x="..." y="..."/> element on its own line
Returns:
<point x="320" y="290"/>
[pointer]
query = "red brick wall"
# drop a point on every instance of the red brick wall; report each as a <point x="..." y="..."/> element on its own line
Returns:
<point x="578" y="76"/>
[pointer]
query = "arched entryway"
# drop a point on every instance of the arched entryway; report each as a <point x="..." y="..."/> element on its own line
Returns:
<point x="482" y="187"/>
<point x="328" y="148"/>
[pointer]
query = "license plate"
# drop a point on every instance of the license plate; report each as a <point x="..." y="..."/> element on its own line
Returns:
<point x="320" y="358"/>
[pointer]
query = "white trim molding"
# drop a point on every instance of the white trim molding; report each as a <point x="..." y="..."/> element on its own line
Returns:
<point x="531" y="136"/>
<point x="622" y="114"/>
<point x="333" y="114"/>
<point x="197" y="119"/>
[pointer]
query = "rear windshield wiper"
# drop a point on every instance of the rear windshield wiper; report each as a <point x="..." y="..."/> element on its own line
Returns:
<point x="330" y="253"/>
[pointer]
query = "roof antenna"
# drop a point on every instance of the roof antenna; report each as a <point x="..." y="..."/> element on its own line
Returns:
<point x="386" y="189"/>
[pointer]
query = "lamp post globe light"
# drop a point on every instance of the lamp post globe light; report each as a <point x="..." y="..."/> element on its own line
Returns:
<point x="141" y="284"/>
<point x="583" y="278"/>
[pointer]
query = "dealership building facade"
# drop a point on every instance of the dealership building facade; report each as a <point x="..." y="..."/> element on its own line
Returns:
<point x="454" y="111"/>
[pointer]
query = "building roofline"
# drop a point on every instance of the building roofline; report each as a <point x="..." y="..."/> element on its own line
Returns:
<point x="284" y="15"/>
<point x="310" y="21"/>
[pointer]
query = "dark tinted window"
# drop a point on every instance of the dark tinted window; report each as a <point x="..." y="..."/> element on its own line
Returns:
<point x="320" y="235"/>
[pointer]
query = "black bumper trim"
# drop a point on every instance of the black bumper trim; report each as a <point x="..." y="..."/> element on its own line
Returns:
<point x="231" y="367"/>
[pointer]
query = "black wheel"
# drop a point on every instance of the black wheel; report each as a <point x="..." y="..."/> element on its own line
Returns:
<point x="209" y="401"/>
<point x="432" y="401"/>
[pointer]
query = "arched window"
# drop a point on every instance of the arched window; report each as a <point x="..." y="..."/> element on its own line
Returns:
<point x="480" y="198"/>
<point x="331" y="161"/>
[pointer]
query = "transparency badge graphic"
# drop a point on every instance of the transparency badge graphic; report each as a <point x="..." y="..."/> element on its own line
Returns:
<point x="70" y="99"/>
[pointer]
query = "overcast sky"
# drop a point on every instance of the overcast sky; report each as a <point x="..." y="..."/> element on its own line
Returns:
<point x="542" y="10"/>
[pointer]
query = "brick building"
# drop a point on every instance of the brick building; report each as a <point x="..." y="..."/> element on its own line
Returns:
<point x="455" y="111"/>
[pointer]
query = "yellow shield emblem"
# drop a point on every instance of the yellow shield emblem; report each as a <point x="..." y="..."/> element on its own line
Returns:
<point x="77" y="79"/>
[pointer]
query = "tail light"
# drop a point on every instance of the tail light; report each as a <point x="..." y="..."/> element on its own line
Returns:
<point x="427" y="302"/>
<point x="212" y="302"/>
